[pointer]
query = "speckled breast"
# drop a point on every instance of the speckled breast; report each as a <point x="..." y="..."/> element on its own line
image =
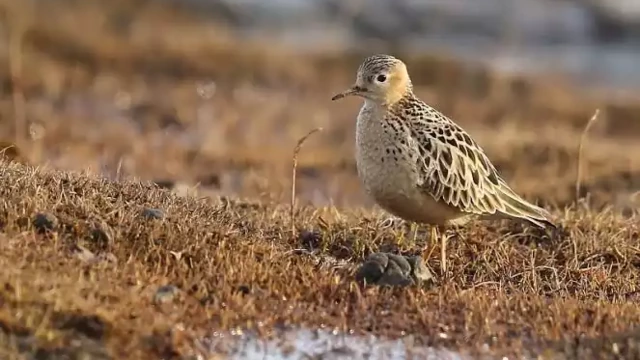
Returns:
<point x="384" y="167"/>
<point x="387" y="169"/>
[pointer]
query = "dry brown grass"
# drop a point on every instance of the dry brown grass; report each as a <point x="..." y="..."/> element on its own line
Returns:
<point x="237" y="266"/>
<point x="218" y="117"/>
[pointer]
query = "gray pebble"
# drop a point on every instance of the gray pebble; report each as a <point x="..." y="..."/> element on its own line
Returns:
<point x="386" y="269"/>
<point x="152" y="214"/>
<point x="102" y="235"/>
<point x="87" y="256"/>
<point x="399" y="264"/>
<point x="108" y="257"/>
<point x="394" y="278"/>
<point x="45" y="222"/>
<point x="83" y="253"/>
<point x="165" y="294"/>
<point x="373" y="268"/>
<point x="419" y="270"/>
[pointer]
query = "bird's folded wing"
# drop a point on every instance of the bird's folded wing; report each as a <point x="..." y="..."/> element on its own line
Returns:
<point x="455" y="170"/>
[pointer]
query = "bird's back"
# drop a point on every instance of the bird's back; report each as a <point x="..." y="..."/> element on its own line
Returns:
<point x="455" y="170"/>
<point x="420" y="165"/>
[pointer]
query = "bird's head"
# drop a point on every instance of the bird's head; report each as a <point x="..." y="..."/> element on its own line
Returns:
<point x="382" y="79"/>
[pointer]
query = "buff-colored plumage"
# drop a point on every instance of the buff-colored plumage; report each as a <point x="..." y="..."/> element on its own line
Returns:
<point x="418" y="164"/>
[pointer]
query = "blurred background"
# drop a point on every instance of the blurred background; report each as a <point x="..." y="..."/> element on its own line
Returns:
<point x="210" y="96"/>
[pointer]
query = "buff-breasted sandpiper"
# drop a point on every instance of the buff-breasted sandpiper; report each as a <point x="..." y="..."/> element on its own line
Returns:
<point x="418" y="164"/>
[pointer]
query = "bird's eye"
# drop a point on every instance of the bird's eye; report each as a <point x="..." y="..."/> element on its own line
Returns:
<point x="381" y="78"/>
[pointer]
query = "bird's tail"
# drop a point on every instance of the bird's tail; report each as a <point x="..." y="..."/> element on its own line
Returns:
<point x="515" y="206"/>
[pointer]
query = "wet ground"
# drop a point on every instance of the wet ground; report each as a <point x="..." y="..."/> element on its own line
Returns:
<point x="321" y="343"/>
<point x="205" y="118"/>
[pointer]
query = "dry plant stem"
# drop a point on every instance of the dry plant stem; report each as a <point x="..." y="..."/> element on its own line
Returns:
<point x="583" y="139"/>
<point x="296" y="150"/>
<point x="5" y="148"/>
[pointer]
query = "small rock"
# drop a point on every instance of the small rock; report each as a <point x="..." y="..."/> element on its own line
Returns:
<point x="45" y="222"/>
<point x="397" y="272"/>
<point x="310" y="239"/>
<point x="87" y="256"/>
<point x="83" y="253"/>
<point x="393" y="270"/>
<point x="394" y="278"/>
<point x="152" y="214"/>
<point x="102" y="235"/>
<point x="243" y="289"/>
<point x="108" y="257"/>
<point x="373" y="268"/>
<point x="165" y="294"/>
<point x="419" y="270"/>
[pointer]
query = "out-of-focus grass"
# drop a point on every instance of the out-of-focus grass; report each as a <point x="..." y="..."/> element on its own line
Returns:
<point x="133" y="89"/>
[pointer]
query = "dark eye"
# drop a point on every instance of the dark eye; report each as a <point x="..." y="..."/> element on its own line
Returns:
<point x="381" y="78"/>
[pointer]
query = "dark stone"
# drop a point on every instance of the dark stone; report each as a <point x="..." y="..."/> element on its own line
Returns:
<point x="152" y="214"/>
<point x="310" y="239"/>
<point x="102" y="235"/>
<point x="244" y="289"/>
<point x="386" y="269"/>
<point x="165" y="294"/>
<point x="45" y="222"/>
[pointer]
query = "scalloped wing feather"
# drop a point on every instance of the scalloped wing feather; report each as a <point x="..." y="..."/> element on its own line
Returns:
<point x="461" y="176"/>
<point x="458" y="172"/>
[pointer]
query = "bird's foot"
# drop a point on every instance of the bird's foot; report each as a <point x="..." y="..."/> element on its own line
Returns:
<point x="391" y="222"/>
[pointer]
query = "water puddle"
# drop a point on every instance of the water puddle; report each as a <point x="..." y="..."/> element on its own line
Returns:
<point x="320" y="344"/>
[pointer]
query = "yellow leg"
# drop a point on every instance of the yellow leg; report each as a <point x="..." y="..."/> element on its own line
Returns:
<point x="434" y="234"/>
<point x="443" y="253"/>
<point x="443" y="248"/>
<point x="432" y="241"/>
<point x="414" y="231"/>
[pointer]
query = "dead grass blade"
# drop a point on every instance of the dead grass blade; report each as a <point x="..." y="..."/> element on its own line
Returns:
<point x="583" y="139"/>
<point x="296" y="151"/>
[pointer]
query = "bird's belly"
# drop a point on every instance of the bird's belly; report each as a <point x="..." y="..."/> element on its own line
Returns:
<point x="418" y="207"/>
<point x="385" y="179"/>
<point x="394" y="186"/>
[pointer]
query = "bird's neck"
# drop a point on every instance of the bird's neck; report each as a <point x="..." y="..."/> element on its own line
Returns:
<point x="397" y="95"/>
<point x="392" y="100"/>
<point x="402" y="101"/>
<point x="372" y="104"/>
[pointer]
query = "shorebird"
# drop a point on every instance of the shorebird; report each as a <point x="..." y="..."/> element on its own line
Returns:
<point x="418" y="164"/>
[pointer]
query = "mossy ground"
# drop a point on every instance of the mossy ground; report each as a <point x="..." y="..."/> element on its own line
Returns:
<point x="215" y="120"/>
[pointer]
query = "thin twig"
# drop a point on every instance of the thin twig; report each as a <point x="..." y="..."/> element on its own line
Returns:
<point x="583" y="139"/>
<point x="296" y="150"/>
<point x="6" y="147"/>
<point x="119" y="169"/>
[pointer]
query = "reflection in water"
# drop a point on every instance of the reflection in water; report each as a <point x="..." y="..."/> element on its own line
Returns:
<point x="320" y="344"/>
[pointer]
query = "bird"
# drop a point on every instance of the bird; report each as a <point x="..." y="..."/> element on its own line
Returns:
<point x="419" y="165"/>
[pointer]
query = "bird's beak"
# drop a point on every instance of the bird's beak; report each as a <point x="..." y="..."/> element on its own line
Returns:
<point x="354" y="90"/>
